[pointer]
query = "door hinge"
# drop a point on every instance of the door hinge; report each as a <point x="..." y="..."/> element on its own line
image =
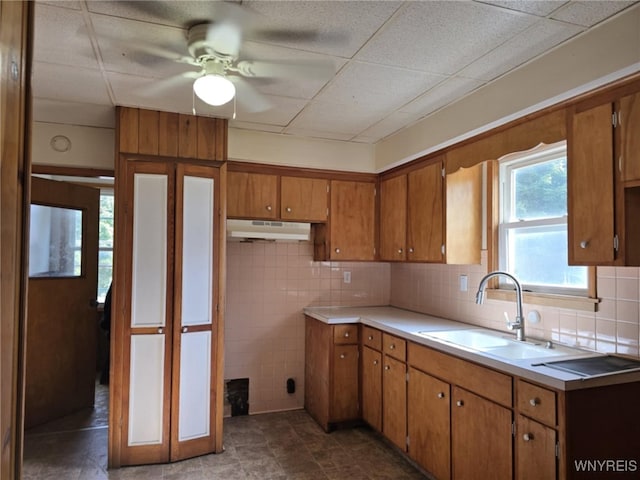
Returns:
<point x="557" y="450"/>
<point x="443" y="172"/>
<point x="513" y="429"/>
<point x="616" y="243"/>
<point x="614" y="119"/>
<point x="442" y="249"/>
<point x="407" y="440"/>
<point x="407" y="376"/>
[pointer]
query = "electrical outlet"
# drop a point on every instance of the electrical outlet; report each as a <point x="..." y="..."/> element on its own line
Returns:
<point x="346" y="277"/>
<point x="464" y="283"/>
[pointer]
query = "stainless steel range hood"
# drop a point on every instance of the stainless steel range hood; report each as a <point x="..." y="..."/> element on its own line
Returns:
<point x="267" y="230"/>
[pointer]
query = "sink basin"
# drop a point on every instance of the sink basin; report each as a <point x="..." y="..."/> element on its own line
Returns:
<point x="499" y="345"/>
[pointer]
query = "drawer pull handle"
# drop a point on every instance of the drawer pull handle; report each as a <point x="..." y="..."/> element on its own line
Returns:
<point x="185" y="329"/>
<point x="411" y="250"/>
<point x="534" y="402"/>
<point x="584" y="244"/>
<point x="342" y="355"/>
<point x="375" y="362"/>
<point x="269" y="208"/>
<point x="387" y="367"/>
<point x="527" y="437"/>
<point x="288" y="209"/>
<point x="160" y="330"/>
<point x="346" y="334"/>
<point x="400" y="251"/>
<point x="370" y="337"/>
<point x="460" y="403"/>
<point x="337" y="250"/>
<point x="440" y="394"/>
<point x="392" y="347"/>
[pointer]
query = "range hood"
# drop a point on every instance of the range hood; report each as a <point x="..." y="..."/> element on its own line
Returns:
<point x="267" y="230"/>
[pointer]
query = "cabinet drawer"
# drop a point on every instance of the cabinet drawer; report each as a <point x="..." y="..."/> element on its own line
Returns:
<point x="345" y="334"/>
<point x="372" y="338"/>
<point x="488" y="383"/>
<point x="536" y="402"/>
<point x="394" y="347"/>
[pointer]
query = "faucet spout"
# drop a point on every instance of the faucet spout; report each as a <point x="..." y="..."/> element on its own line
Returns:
<point x="518" y="324"/>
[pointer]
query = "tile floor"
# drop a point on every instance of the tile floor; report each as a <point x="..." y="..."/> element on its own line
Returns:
<point x="275" y="446"/>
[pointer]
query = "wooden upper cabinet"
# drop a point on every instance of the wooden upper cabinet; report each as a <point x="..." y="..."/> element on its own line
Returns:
<point x="352" y="222"/>
<point x="304" y="199"/>
<point x="252" y="195"/>
<point x="629" y="127"/>
<point x="590" y="186"/>
<point x="425" y="234"/>
<point x="393" y="218"/>
<point x="464" y="216"/>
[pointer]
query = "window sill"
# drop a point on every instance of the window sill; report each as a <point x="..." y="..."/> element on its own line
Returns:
<point x="584" y="304"/>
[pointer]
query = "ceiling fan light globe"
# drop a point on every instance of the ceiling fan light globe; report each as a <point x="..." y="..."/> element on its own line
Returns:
<point x="214" y="90"/>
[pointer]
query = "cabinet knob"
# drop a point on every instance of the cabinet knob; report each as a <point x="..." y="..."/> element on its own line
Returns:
<point x="392" y="347"/>
<point x="269" y="208"/>
<point x="375" y="362"/>
<point x="460" y="403"/>
<point x="410" y="249"/>
<point x="160" y="330"/>
<point x="440" y="394"/>
<point x="288" y="209"/>
<point x="400" y="251"/>
<point x="342" y="355"/>
<point x="337" y="250"/>
<point x="527" y="437"/>
<point x="584" y="244"/>
<point x="387" y="367"/>
<point x="534" y="402"/>
<point x="185" y="329"/>
<point x="370" y="337"/>
<point x="346" y="334"/>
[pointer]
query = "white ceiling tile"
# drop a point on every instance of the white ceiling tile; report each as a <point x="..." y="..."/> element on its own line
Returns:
<point x="138" y="48"/>
<point x="541" y="8"/>
<point x="72" y="113"/>
<point x="284" y="109"/>
<point x="389" y="125"/>
<point x="590" y="12"/>
<point x="315" y="133"/>
<point x="543" y="36"/>
<point x="75" y="5"/>
<point x="76" y="84"/>
<point x="388" y="88"/>
<point x="443" y="37"/>
<point x="172" y="13"/>
<point x="60" y="37"/>
<point x="334" y="118"/>
<point x="260" y="127"/>
<point x="442" y="94"/>
<point x="341" y="26"/>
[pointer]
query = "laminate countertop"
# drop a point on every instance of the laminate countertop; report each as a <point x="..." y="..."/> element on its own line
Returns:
<point x="410" y="326"/>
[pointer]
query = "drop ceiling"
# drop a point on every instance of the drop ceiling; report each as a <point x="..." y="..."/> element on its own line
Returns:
<point x="395" y="62"/>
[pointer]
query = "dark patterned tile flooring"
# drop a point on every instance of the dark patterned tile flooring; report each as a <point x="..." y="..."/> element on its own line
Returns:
<point x="274" y="446"/>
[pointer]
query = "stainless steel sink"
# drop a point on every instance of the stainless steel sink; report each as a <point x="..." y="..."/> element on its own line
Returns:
<point x="499" y="345"/>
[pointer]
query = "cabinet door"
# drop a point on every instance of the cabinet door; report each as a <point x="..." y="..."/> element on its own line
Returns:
<point x="252" y="195"/>
<point x="372" y="387"/>
<point x="425" y="228"/>
<point x="629" y="127"/>
<point x="345" y="403"/>
<point x="535" y="450"/>
<point x="429" y="426"/>
<point x="394" y="401"/>
<point x="304" y="199"/>
<point x="464" y="216"/>
<point x="393" y="218"/>
<point x="352" y="223"/>
<point x="590" y="178"/>
<point x="481" y="443"/>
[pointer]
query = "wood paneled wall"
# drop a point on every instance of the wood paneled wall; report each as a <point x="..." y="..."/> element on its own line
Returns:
<point x="163" y="134"/>
<point x="16" y="27"/>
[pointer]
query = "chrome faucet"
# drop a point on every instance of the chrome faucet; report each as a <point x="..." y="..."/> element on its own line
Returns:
<point x="518" y="324"/>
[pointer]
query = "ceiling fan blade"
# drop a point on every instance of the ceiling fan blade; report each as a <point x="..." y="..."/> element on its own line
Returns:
<point x="161" y="86"/>
<point x="247" y="96"/>
<point x="299" y="69"/>
<point x="225" y="38"/>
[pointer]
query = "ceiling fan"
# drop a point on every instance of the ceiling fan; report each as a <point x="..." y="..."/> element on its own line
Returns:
<point x="215" y="46"/>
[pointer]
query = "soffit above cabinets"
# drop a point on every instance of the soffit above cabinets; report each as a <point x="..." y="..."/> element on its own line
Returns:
<point x="395" y="62"/>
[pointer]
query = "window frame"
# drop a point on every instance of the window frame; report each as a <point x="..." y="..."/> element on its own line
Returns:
<point x="506" y="222"/>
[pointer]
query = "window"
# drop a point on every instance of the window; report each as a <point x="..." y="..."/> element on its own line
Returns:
<point x="533" y="222"/>
<point x="105" y="243"/>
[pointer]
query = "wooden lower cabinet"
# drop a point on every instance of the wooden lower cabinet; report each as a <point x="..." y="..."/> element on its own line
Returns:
<point x="372" y="387"/>
<point x="331" y="389"/>
<point x="394" y="401"/>
<point x="481" y="437"/>
<point x="428" y="419"/>
<point x="535" y="450"/>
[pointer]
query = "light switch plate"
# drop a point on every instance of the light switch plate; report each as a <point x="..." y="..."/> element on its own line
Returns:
<point x="464" y="283"/>
<point x="346" y="277"/>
